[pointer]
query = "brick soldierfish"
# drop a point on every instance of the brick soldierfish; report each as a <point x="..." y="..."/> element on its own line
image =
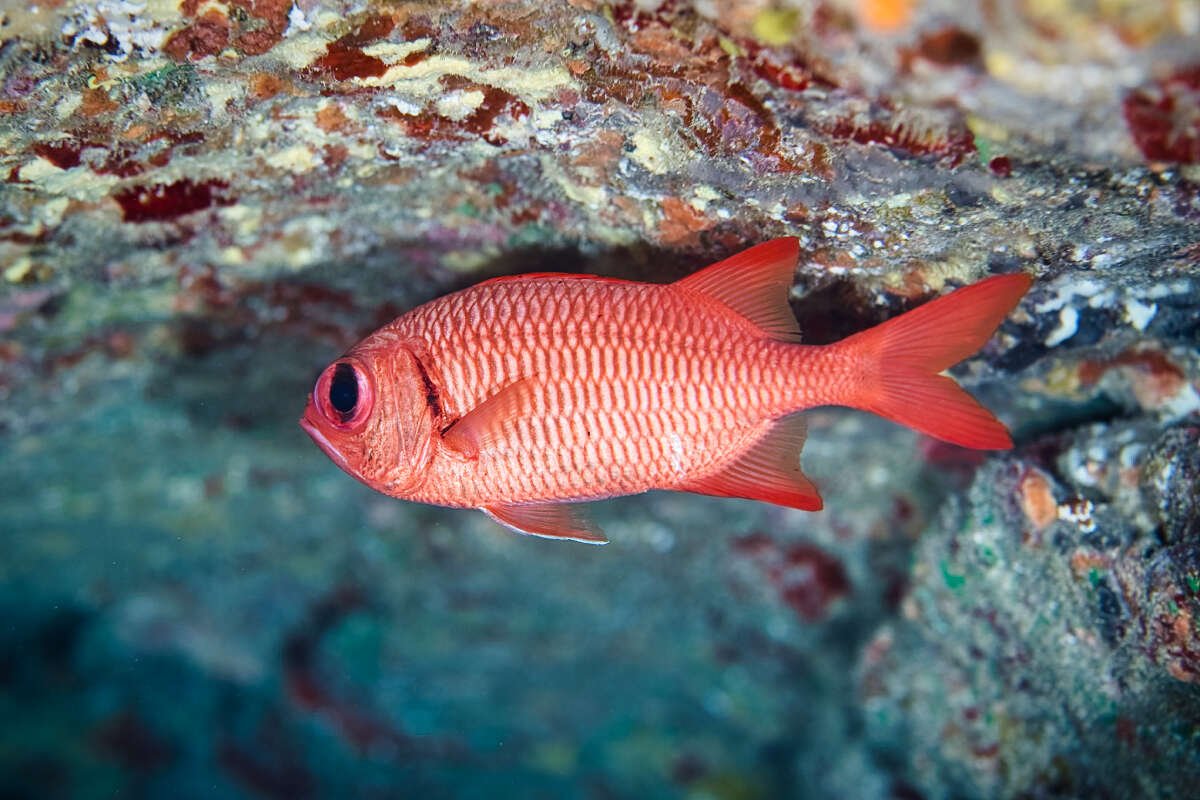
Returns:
<point x="523" y="395"/>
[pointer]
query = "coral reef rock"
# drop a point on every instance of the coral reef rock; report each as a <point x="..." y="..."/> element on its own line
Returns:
<point x="203" y="203"/>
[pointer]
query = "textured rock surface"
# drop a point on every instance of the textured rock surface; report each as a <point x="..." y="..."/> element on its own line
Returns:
<point x="204" y="203"/>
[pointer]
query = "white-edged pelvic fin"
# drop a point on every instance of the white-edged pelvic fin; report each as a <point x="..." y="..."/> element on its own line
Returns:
<point x="548" y="520"/>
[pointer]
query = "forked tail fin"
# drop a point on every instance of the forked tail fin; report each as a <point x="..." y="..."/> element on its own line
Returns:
<point x="902" y="358"/>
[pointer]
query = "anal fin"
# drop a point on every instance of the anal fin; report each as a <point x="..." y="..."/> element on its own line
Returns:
<point x="769" y="471"/>
<point x="548" y="520"/>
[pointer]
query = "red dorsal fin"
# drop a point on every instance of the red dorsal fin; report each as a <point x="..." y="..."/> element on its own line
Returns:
<point x="548" y="520"/>
<point x="768" y="471"/>
<point x="489" y="421"/>
<point x="755" y="283"/>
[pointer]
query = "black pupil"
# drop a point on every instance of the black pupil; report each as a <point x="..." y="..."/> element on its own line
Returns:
<point x="343" y="390"/>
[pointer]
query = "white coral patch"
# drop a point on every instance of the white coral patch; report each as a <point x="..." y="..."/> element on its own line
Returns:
<point x="460" y="104"/>
<point x="1068" y="325"/>
<point x="1139" y="314"/>
<point x="119" y="23"/>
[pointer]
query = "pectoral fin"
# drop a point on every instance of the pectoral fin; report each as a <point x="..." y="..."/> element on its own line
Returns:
<point x="488" y="422"/>
<point x="769" y="470"/>
<point x="548" y="520"/>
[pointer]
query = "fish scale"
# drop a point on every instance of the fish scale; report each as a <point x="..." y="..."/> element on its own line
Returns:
<point x="520" y="395"/>
<point x="658" y="344"/>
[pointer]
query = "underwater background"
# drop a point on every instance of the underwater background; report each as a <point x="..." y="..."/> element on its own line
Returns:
<point x="204" y="204"/>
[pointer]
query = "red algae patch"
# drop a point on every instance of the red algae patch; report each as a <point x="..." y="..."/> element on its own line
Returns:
<point x="950" y="47"/>
<point x="810" y="580"/>
<point x="165" y="202"/>
<point x="430" y="125"/>
<point x="344" y="58"/>
<point x="64" y="153"/>
<point x="681" y="221"/>
<point x="268" y="19"/>
<point x="1164" y="117"/>
<point x="205" y="37"/>
<point x="1000" y="166"/>
<point x="929" y="134"/>
<point x="265" y="85"/>
<point x="251" y="26"/>
<point x="807" y="578"/>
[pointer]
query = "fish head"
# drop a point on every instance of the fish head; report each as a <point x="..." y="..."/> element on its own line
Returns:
<point x="369" y="412"/>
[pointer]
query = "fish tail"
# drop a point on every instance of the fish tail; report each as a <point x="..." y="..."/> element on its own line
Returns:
<point x="902" y="357"/>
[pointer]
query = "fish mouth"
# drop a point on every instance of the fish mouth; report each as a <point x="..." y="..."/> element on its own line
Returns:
<point x="315" y="433"/>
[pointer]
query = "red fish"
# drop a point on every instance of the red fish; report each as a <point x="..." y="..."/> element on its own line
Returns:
<point x="524" y="395"/>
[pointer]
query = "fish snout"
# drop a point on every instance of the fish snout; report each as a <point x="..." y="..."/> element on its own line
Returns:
<point x="308" y="421"/>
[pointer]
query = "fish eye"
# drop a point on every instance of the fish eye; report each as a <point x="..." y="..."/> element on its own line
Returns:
<point x="343" y="395"/>
<point x="343" y="390"/>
